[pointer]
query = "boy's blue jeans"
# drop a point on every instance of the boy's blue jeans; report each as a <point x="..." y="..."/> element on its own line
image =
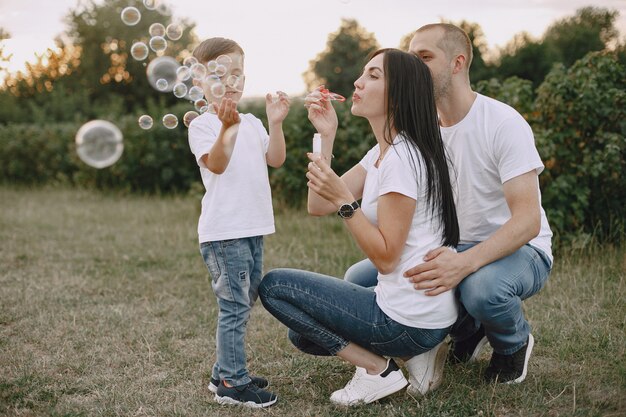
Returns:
<point x="236" y="269"/>
<point x="324" y="314"/>
<point x="492" y="296"/>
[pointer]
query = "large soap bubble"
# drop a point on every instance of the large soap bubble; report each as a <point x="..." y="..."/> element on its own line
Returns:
<point x="130" y="16"/>
<point x="99" y="143"/>
<point x="162" y="68"/>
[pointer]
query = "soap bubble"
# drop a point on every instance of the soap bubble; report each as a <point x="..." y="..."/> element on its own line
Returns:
<point x="180" y="90"/>
<point x="161" y="84"/>
<point x="163" y="67"/>
<point x="174" y="31"/>
<point x="218" y="90"/>
<point x="139" y="51"/>
<point x="183" y="73"/>
<point x="99" y="143"/>
<point x="224" y="60"/>
<point x="220" y="70"/>
<point x="198" y="71"/>
<point x="195" y="93"/>
<point x="235" y="82"/>
<point x="189" y="116"/>
<point x="170" y="121"/>
<point x="163" y="9"/>
<point x="199" y="104"/>
<point x="130" y="16"/>
<point x="158" y="43"/>
<point x="145" y="122"/>
<point x="156" y="29"/>
<point x="211" y="65"/>
<point x="150" y="4"/>
<point x="190" y="60"/>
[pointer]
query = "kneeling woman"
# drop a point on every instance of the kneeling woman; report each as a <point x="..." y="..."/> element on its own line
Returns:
<point x="407" y="209"/>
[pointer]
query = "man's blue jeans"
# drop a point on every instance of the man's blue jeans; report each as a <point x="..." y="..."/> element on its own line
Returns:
<point x="492" y="296"/>
<point x="236" y="269"/>
<point x="324" y="314"/>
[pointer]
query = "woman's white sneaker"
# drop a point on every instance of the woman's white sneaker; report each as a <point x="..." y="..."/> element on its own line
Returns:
<point x="364" y="388"/>
<point x="426" y="370"/>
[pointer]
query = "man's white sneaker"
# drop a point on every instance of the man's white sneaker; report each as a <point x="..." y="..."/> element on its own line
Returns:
<point x="364" y="388"/>
<point x="426" y="370"/>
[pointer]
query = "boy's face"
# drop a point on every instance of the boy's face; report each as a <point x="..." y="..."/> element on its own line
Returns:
<point x="232" y="81"/>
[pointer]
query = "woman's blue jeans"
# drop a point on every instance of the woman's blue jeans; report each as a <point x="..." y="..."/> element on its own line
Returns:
<point x="324" y="314"/>
<point x="492" y="296"/>
<point x="236" y="269"/>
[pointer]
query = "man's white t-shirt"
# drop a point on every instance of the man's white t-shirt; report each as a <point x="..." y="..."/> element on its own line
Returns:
<point x="491" y="145"/>
<point x="238" y="202"/>
<point x="400" y="171"/>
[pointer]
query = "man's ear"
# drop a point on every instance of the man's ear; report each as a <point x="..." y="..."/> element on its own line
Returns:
<point x="459" y="63"/>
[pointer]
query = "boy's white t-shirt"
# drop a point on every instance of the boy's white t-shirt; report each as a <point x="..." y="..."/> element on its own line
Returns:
<point x="395" y="295"/>
<point x="491" y="145"/>
<point x="238" y="202"/>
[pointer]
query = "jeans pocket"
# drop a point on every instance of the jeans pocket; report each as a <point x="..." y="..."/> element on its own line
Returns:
<point x="210" y="260"/>
<point x="402" y="345"/>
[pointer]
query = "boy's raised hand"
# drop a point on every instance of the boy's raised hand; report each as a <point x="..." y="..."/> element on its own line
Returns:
<point x="277" y="108"/>
<point x="227" y="113"/>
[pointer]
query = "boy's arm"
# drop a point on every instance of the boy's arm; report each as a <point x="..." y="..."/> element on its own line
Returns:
<point x="218" y="158"/>
<point x="276" y="110"/>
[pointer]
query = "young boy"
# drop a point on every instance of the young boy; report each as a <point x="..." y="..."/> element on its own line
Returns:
<point x="233" y="151"/>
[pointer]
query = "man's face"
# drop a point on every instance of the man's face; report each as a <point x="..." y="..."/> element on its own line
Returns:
<point x="424" y="44"/>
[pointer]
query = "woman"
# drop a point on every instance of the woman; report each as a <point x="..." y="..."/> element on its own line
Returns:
<point x="407" y="209"/>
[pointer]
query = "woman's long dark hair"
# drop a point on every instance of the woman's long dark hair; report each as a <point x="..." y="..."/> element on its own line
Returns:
<point x="412" y="113"/>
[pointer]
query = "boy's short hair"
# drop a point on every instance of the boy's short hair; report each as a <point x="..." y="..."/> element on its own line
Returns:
<point x="214" y="47"/>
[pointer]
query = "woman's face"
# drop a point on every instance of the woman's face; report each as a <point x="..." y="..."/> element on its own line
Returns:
<point x="369" y="90"/>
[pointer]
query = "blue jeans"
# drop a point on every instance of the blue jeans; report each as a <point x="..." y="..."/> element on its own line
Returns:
<point x="236" y="269"/>
<point x="492" y="296"/>
<point x="324" y="314"/>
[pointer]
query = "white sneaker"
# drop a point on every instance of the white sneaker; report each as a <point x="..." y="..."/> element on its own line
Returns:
<point x="426" y="370"/>
<point x="364" y="388"/>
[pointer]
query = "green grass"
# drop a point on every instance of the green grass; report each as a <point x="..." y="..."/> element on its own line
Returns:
<point x="106" y="310"/>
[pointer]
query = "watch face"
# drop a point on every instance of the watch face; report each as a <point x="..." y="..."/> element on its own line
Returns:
<point x="346" y="211"/>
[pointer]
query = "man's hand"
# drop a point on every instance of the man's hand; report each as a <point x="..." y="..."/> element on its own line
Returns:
<point x="442" y="270"/>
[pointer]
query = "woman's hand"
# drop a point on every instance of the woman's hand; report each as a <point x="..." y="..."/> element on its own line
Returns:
<point x="277" y="109"/>
<point x="325" y="182"/>
<point x="321" y="112"/>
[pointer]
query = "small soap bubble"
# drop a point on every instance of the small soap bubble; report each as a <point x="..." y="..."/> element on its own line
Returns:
<point x="170" y="121"/>
<point x="130" y="16"/>
<point x="198" y="71"/>
<point x="156" y="29"/>
<point x="174" y="31"/>
<point x="99" y="143"/>
<point x="150" y="4"/>
<point x="139" y="51"/>
<point x="158" y="43"/>
<point x="199" y="104"/>
<point x="164" y="68"/>
<point x="183" y="73"/>
<point x="145" y="122"/>
<point x="224" y="60"/>
<point x="195" y="93"/>
<point x="161" y="84"/>
<point x="211" y="65"/>
<point x="188" y="117"/>
<point x="218" y="90"/>
<point x="180" y="90"/>
<point x="235" y="82"/>
<point x="189" y="61"/>
<point x="220" y="70"/>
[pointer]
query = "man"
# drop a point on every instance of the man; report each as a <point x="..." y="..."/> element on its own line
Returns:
<point x="504" y="254"/>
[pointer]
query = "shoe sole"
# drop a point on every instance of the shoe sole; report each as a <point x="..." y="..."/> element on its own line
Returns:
<point x="479" y="347"/>
<point x="437" y="377"/>
<point x="250" y="404"/>
<point x="529" y="349"/>
<point x="390" y="389"/>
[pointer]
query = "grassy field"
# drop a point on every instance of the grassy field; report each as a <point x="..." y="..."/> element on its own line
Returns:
<point x="106" y="310"/>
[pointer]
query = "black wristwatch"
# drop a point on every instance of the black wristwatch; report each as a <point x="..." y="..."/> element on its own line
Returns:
<point x="346" y="210"/>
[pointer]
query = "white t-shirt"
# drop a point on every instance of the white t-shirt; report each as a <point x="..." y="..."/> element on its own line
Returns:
<point x="491" y="145"/>
<point x="395" y="295"/>
<point x="238" y="202"/>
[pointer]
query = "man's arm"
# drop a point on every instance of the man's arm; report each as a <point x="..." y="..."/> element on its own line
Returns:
<point x="444" y="269"/>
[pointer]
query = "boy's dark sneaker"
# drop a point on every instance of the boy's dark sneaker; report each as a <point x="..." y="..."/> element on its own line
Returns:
<point x="469" y="349"/>
<point x="248" y="395"/>
<point x="510" y="369"/>
<point x="256" y="380"/>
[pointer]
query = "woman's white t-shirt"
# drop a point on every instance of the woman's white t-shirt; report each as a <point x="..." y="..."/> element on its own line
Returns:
<point x="401" y="171"/>
<point x="238" y="202"/>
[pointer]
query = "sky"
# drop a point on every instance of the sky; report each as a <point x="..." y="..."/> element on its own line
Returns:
<point x="280" y="37"/>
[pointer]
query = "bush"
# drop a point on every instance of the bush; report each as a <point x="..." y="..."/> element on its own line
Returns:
<point x="580" y="127"/>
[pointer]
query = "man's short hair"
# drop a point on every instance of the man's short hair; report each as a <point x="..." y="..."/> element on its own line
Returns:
<point x="453" y="42"/>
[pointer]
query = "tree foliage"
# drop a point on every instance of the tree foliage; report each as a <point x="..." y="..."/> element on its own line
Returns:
<point x="340" y="64"/>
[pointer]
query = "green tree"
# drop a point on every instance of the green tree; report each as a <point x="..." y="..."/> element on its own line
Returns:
<point x="340" y="64"/>
<point x="526" y="58"/>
